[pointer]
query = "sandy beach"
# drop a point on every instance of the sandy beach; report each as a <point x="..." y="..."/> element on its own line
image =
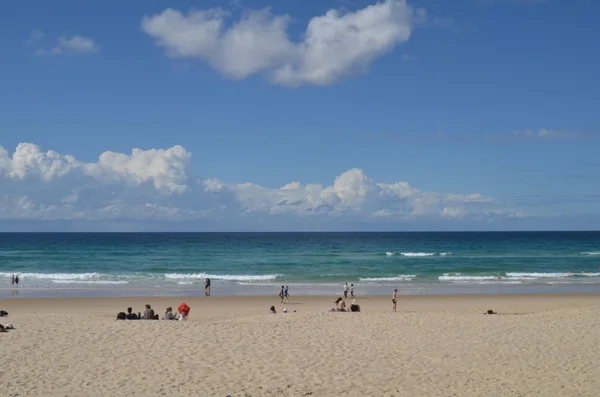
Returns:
<point x="545" y="345"/>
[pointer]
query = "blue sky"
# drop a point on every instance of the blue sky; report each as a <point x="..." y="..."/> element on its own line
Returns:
<point x="491" y="97"/>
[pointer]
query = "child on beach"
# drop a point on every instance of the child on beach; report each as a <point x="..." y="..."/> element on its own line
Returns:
<point x="184" y="312"/>
<point x="394" y="300"/>
<point x="169" y="314"/>
<point x="352" y="291"/>
<point x="272" y="310"/>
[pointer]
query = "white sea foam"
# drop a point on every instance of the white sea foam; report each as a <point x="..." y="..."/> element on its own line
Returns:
<point x="457" y="277"/>
<point x="226" y="277"/>
<point x="591" y="253"/>
<point x="401" y="277"/>
<point x="55" y="276"/>
<point x="538" y="275"/>
<point x="104" y="282"/>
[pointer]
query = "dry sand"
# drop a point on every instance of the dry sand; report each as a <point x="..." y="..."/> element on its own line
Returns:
<point x="433" y="346"/>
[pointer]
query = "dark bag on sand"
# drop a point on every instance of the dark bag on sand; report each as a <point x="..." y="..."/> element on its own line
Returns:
<point x="121" y="316"/>
<point x="3" y="313"/>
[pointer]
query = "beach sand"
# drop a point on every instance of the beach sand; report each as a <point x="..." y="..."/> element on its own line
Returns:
<point x="546" y="345"/>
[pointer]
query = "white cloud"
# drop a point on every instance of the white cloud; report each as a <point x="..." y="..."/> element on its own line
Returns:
<point x="72" y="45"/>
<point x="159" y="185"/>
<point x="547" y="134"/>
<point x="34" y="37"/>
<point x="333" y="46"/>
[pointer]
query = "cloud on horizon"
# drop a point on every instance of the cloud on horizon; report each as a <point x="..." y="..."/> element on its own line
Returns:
<point x="158" y="185"/>
<point x="334" y="46"/>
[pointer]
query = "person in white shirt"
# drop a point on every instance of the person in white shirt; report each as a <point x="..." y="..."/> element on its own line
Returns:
<point x="346" y="290"/>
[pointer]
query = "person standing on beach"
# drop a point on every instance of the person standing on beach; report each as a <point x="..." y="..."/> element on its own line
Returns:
<point x="281" y="293"/>
<point x="346" y="291"/>
<point x="207" y="286"/>
<point x="394" y="299"/>
<point x="352" y="291"/>
<point x="17" y="280"/>
<point x="286" y="295"/>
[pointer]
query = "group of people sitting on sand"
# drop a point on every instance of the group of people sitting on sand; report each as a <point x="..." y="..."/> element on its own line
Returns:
<point x="183" y="312"/>
<point x="340" y="306"/>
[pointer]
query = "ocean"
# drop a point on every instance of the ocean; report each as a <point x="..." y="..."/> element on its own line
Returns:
<point x="122" y="264"/>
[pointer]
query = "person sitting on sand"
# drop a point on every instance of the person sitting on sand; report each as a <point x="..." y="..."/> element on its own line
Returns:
<point x="184" y="312"/>
<point x="169" y="315"/>
<point x="148" y="313"/>
<point x="354" y="307"/>
<point x="272" y="310"/>
<point x="130" y="315"/>
<point x="340" y="305"/>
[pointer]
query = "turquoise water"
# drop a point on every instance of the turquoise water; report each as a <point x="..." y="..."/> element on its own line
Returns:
<point x="318" y="261"/>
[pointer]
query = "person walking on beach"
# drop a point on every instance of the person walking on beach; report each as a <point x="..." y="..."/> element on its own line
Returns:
<point x="286" y="295"/>
<point x="207" y="286"/>
<point x="352" y="291"/>
<point x="281" y="293"/>
<point x="394" y="300"/>
<point x="346" y="291"/>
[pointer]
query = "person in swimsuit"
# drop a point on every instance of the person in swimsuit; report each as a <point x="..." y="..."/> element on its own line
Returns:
<point x="394" y="299"/>
<point x="340" y="305"/>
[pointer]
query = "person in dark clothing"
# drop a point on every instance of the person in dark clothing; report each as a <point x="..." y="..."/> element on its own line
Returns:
<point x="207" y="286"/>
<point x="130" y="315"/>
